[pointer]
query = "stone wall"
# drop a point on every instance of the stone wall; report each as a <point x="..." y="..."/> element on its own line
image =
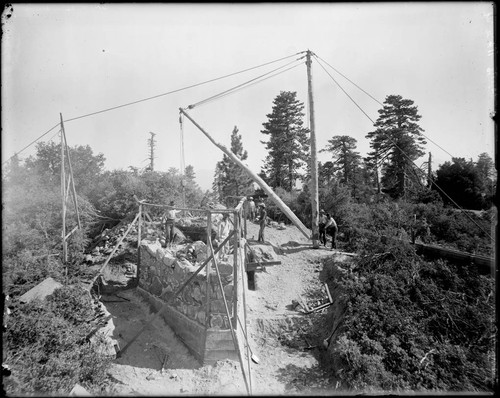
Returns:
<point x="198" y="315"/>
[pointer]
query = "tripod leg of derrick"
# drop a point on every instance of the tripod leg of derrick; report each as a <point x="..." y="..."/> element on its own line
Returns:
<point x="214" y="260"/>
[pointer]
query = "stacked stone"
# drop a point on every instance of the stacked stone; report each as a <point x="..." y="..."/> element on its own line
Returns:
<point x="162" y="273"/>
<point x="218" y="316"/>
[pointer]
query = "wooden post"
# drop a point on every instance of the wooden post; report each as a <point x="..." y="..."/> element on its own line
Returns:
<point x="63" y="193"/>
<point x="209" y="238"/>
<point x="75" y="200"/>
<point x="139" y="238"/>
<point x="429" y="171"/>
<point x="139" y="225"/>
<point x="266" y="188"/>
<point x="314" y="160"/>
<point x="237" y="238"/>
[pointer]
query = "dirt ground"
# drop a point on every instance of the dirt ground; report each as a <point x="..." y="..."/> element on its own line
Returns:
<point x="288" y="362"/>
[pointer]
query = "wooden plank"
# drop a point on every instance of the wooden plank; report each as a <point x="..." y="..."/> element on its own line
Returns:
<point x="219" y="345"/>
<point x="264" y="263"/>
<point x="212" y="355"/>
<point x="485" y="263"/>
<point x="328" y="292"/>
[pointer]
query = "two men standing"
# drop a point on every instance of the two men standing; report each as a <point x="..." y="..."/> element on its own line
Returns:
<point x="327" y="225"/>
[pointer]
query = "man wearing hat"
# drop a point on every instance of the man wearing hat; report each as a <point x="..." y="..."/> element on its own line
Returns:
<point x="322" y="229"/>
<point x="170" y="217"/>
<point x="262" y="220"/>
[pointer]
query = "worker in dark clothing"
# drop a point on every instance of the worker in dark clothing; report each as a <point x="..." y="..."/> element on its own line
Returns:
<point x="331" y="229"/>
<point x="262" y="221"/>
<point x="322" y="225"/>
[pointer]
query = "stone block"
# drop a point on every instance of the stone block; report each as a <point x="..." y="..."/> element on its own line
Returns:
<point x="156" y="286"/>
<point x="225" y="269"/>
<point x="159" y="254"/>
<point x="216" y="321"/>
<point x="191" y="311"/>
<point x="197" y="294"/>
<point x="229" y="291"/>
<point x="201" y="317"/>
<point x="217" y="307"/>
<point x="169" y="260"/>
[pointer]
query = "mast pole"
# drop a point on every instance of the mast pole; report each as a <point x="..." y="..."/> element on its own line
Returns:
<point x="314" y="160"/>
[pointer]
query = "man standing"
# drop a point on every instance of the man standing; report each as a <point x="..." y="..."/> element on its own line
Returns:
<point x="251" y="209"/>
<point x="262" y="221"/>
<point x="170" y="224"/>
<point x="322" y="226"/>
<point x="222" y="233"/>
<point x="331" y="229"/>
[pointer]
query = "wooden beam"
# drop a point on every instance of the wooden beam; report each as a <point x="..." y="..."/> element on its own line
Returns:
<point x="314" y="160"/>
<point x="266" y="188"/>
<point x="260" y="265"/>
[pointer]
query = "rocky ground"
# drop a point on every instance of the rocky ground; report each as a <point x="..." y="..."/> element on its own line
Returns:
<point x="286" y="343"/>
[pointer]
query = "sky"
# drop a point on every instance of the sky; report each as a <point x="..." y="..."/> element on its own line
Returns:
<point x="76" y="60"/>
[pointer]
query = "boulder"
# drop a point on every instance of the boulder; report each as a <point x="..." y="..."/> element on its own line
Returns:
<point x="262" y="253"/>
<point x="40" y="291"/>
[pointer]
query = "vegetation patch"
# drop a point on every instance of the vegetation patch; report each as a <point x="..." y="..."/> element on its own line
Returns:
<point x="415" y="325"/>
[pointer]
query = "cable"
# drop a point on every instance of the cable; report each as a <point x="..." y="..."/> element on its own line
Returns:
<point x="150" y="98"/>
<point x="345" y="77"/>
<point x="180" y="89"/>
<point x="234" y="89"/>
<point x="260" y="81"/>
<point x="404" y="154"/>
<point x="31" y="143"/>
<point x="337" y="83"/>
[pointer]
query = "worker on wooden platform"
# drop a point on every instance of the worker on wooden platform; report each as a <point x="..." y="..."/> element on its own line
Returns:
<point x="222" y="233"/>
<point x="262" y="220"/>
<point x="170" y="219"/>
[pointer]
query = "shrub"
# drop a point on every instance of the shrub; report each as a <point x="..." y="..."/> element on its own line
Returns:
<point x="46" y="345"/>
<point x="413" y="324"/>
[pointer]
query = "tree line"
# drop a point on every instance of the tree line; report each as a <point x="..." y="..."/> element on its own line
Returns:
<point x="389" y="169"/>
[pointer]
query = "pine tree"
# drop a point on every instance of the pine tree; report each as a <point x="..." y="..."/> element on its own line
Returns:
<point x="397" y="142"/>
<point x="288" y="145"/>
<point x="485" y="167"/>
<point x="230" y="179"/>
<point x="346" y="160"/>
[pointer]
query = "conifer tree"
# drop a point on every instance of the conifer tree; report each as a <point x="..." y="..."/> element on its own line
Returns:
<point x="397" y="142"/>
<point x="345" y="158"/>
<point x="288" y="144"/>
<point x="230" y="179"/>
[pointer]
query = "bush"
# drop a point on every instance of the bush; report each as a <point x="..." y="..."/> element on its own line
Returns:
<point x="47" y="349"/>
<point x="412" y="324"/>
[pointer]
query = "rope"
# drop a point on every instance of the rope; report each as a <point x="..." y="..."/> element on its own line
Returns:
<point x="345" y="92"/>
<point x="345" y="77"/>
<point x="247" y="84"/>
<point x="177" y="90"/>
<point x="376" y="100"/>
<point x="31" y="143"/>
<point x="154" y="97"/>
<point x="406" y="156"/>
